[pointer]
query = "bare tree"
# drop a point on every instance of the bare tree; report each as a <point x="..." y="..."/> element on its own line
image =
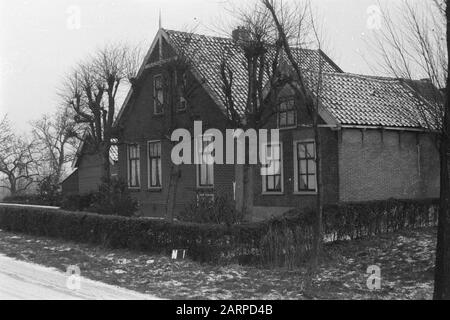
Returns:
<point x="55" y="135"/>
<point x="179" y="88"/>
<point x="17" y="160"/>
<point x="260" y="58"/>
<point x="411" y="45"/>
<point x="5" y="132"/>
<point x="91" y="91"/>
<point x="297" y="27"/>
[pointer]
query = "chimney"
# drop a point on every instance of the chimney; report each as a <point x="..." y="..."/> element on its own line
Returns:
<point x="240" y="35"/>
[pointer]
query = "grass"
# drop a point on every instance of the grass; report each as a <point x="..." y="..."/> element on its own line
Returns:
<point x="406" y="261"/>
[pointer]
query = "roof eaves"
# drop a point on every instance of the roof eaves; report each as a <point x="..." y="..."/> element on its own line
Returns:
<point x="330" y="61"/>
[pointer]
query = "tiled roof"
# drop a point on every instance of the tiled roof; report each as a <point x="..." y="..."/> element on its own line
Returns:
<point x="427" y="89"/>
<point x="370" y="101"/>
<point x="207" y="53"/>
<point x="351" y="99"/>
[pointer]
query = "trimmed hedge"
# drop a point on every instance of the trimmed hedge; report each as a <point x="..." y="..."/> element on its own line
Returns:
<point x="211" y="243"/>
<point x="364" y="219"/>
<point x="30" y="199"/>
<point x="282" y="241"/>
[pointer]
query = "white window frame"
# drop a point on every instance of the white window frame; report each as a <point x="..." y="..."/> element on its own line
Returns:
<point x="293" y="126"/>
<point x="198" y="170"/>
<point x="263" y="177"/>
<point x="155" y="97"/>
<point x="128" y="166"/>
<point x="295" y="152"/>
<point x="149" y="164"/>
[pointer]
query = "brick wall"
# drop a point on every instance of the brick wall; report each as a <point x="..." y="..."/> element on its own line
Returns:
<point x="140" y="125"/>
<point x="376" y="164"/>
<point x="71" y="184"/>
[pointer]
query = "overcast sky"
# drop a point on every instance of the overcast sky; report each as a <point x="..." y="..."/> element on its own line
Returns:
<point x="41" y="39"/>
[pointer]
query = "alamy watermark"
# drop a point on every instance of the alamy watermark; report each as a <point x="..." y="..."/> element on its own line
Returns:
<point x="73" y="281"/>
<point x="374" y="17"/>
<point x="73" y="21"/>
<point x="241" y="147"/>
<point x="374" y="279"/>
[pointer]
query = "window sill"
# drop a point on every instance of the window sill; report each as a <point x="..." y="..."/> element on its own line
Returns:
<point x="305" y="193"/>
<point x="205" y="187"/>
<point x="158" y="114"/>
<point x="288" y="128"/>
<point x="159" y="189"/>
<point x="134" y="189"/>
<point x="272" y="193"/>
<point x="181" y="110"/>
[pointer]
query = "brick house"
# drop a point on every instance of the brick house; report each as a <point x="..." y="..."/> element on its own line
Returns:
<point x="370" y="150"/>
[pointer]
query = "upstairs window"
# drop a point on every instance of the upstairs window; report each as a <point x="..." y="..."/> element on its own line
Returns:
<point x="287" y="114"/>
<point x="182" y="88"/>
<point x="134" y="168"/>
<point x="158" y="95"/>
<point x="154" y="165"/>
<point x="305" y="167"/>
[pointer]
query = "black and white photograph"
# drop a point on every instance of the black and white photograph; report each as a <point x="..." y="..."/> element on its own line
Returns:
<point x="224" y="158"/>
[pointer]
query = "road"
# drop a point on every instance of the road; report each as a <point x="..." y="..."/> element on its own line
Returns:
<point x="26" y="281"/>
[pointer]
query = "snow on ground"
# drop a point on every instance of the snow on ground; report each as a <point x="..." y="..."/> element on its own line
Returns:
<point x="22" y="280"/>
<point x="406" y="260"/>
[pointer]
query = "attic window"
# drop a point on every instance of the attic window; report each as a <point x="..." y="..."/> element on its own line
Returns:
<point x="158" y="95"/>
<point x="287" y="113"/>
<point x="181" y="83"/>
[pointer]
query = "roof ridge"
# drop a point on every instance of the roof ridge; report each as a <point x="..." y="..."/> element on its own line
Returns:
<point x="364" y="76"/>
<point x="226" y="38"/>
<point x="197" y="34"/>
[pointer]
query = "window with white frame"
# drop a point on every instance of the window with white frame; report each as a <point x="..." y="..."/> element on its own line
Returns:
<point x="158" y="95"/>
<point x="182" y="85"/>
<point x="272" y="173"/>
<point x="287" y="114"/>
<point x="134" y="167"/>
<point x="205" y="170"/>
<point x="154" y="165"/>
<point x="305" y="166"/>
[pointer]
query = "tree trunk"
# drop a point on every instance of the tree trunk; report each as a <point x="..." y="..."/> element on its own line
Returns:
<point x="106" y="165"/>
<point x="247" y="191"/>
<point x="318" y="233"/>
<point x="12" y="186"/>
<point x="175" y="173"/>
<point x="442" y="266"/>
